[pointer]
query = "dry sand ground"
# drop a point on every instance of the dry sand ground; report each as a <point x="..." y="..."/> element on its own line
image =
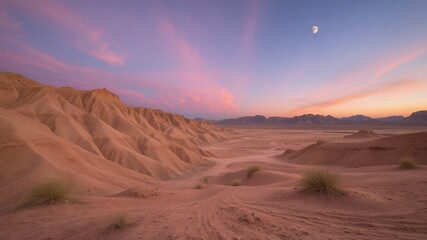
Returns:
<point x="383" y="202"/>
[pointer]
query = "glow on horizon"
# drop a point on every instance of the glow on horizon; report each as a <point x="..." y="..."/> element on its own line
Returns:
<point x="220" y="59"/>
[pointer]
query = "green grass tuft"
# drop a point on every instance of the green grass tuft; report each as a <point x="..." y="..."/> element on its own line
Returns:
<point x="407" y="163"/>
<point x="251" y="170"/>
<point x="48" y="192"/>
<point x="322" y="183"/>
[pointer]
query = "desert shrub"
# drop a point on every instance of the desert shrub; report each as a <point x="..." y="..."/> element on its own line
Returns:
<point x="251" y="170"/>
<point x="236" y="183"/>
<point x="321" y="182"/>
<point x="198" y="186"/>
<point x="120" y="222"/>
<point x="48" y="192"/>
<point x="407" y="163"/>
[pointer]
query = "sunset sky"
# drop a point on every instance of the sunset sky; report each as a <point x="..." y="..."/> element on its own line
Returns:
<point x="220" y="59"/>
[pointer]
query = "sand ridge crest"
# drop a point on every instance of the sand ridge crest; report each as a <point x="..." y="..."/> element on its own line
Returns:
<point x="388" y="150"/>
<point x="364" y="133"/>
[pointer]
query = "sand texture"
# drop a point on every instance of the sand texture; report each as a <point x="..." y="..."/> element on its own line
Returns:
<point x="171" y="178"/>
<point x="92" y="138"/>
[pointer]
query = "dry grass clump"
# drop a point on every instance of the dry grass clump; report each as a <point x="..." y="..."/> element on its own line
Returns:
<point x="205" y="179"/>
<point x="321" y="182"/>
<point x="236" y="183"/>
<point x="120" y="222"/>
<point x="251" y="170"/>
<point x="49" y="192"/>
<point x="198" y="186"/>
<point x="407" y="163"/>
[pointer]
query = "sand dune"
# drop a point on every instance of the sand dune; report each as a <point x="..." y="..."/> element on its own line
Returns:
<point x="381" y="151"/>
<point x="92" y="137"/>
<point x="364" y="133"/>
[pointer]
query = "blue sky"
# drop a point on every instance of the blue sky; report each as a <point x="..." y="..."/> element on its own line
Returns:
<point x="218" y="59"/>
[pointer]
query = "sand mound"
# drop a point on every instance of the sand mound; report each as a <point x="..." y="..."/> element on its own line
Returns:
<point x="262" y="177"/>
<point x="381" y="151"/>
<point x="364" y="133"/>
<point x="93" y="137"/>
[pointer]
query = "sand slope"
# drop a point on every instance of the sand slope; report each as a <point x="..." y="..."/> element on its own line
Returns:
<point x="380" y="151"/>
<point x="92" y="137"/>
<point x="364" y="133"/>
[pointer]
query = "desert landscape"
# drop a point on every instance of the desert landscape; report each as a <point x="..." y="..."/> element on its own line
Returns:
<point x="213" y="119"/>
<point x="138" y="173"/>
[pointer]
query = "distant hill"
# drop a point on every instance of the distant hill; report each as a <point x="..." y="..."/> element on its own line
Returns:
<point x="357" y="118"/>
<point x="308" y="119"/>
<point x="391" y="118"/>
<point x="247" y="120"/>
<point x="305" y="119"/>
<point x="416" y="118"/>
<point x="419" y="117"/>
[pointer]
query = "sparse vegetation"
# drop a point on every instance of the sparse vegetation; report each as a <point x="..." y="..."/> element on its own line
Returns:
<point x="407" y="163"/>
<point x="236" y="183"/>
<point x="321" y="182"/>
<point x="251" y="170"/>
<point x="120" y="222"/>
<point x="48" y="192"/>
<point x="198" y="186"/>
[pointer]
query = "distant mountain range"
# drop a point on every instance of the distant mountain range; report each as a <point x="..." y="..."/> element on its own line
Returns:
<point x="416" y="118"/>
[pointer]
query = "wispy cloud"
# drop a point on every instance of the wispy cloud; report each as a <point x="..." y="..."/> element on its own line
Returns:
<point x="183" y="49"/>
<point x="399" y="61"/>
<point x="368" y="74"/>
<point x="187" y="97"/>
<point x="196" y="87"/>
<point x="107" y="54"/>
<point x="84" y="35"/>
<point x="250" y="25"/>
<point x="400" y="86"/>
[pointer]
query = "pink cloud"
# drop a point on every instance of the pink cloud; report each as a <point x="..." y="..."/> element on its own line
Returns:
<point x="228" y="100"/>
<point x="202" y="101"/>
<point x="249" y="25"/>
<point x="365" y="75"/>
<point x="187" y="93"/>
<point x="395" y="63"/>
<point x="107" y="54"/>
<point x="83" y="35"/>
<point x="194" y="89"/>
<point x="391" y="87"/>
<point x="184" y="51"/>
<point x="186" y="97"/>
<point x="203" y="92"/>
<point x="29" y="59"/>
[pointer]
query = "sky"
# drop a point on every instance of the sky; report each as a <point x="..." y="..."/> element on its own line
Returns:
<point x="221" y="59"/>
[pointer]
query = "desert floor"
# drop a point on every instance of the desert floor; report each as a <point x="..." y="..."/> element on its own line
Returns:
<point x="382" y="201"/>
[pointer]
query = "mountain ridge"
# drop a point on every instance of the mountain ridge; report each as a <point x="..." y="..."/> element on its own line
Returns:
<point x="416" y="118"/>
